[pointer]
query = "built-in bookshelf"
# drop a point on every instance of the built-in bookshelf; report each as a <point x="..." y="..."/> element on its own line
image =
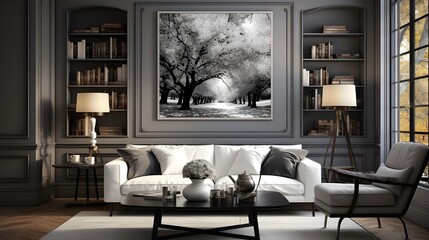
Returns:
<point x="333" y="52"/>
<point x="97" y="61"/>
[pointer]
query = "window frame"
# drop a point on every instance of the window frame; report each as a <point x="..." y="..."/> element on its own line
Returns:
<point x="396" y="81"/>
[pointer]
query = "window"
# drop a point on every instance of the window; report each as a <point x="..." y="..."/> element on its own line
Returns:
<point x="409" y="72"/>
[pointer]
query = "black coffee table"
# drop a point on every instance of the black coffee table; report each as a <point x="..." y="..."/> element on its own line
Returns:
<point x="264" y="200"/>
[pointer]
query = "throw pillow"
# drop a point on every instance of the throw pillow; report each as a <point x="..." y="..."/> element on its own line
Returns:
<point x="283" y="162"/>
<point x="249" y="160"/>
<point x="399" y="175"/>
<point x="171" y="160"/>
<point x="140" y="161"/>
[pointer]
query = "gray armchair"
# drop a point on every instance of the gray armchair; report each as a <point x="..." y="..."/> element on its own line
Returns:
<point x="387" y="193"/>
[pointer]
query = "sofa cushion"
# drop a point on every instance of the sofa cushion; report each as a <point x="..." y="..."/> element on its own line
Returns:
<point x="192" y="151"/>
<point x="224" y="155"/>
<point x="285" y="186"/>
<point x="396" y="175"/>
<point x="141" y="161"/>
<point x="171" y="160"/>
<point x="156" y="182"/>
<point x="282" y="162"/>
<point x="341" y="195"/>
<point x="249" y="160"/>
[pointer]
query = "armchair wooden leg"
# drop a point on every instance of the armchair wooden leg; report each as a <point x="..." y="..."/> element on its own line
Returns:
<point x="405" y="228"/>
<point x="326" y="221"/>
<point x="339" y="226"/>
<point x="379" y="222"/>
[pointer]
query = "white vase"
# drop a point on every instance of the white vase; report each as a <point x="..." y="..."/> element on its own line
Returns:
<point x="197" y="191"/>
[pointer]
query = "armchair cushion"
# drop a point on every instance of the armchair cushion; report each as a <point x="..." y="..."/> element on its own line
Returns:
<point x="341" y="195"/>
<point x="140" y="161"/>
<point x="283" y="162"/>
<point x="399" y="175"/>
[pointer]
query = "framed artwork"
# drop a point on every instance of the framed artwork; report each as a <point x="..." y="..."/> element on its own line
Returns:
<point x="214" y="65"/>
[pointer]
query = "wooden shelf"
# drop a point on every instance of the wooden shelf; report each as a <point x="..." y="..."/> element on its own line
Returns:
<point x="333" y="34"/>
<point x="97" y="34"/>
<point x="333" y="60"/>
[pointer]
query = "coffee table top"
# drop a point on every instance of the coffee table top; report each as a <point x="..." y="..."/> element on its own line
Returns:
<point x="263" y="200"/>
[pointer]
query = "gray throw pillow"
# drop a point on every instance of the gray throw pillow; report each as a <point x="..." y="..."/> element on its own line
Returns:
<point x="282" y="162"/>
<point x="140" y="161"/>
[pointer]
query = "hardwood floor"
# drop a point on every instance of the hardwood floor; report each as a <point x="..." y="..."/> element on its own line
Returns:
<point x="33" y="222"/>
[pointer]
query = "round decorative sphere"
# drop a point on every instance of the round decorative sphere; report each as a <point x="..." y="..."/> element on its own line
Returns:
<point x="197" y="191"/>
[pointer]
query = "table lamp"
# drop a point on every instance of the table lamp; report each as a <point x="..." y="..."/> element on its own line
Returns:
<point x="92" y="103"/>
<point x="339" y="96"/>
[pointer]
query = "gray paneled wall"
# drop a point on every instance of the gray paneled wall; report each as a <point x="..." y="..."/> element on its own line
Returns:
<point x="26" y="138"/>
<point x="41" y="107"/>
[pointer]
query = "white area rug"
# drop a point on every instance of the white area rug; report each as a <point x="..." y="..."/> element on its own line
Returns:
<point x="124" y="226"/>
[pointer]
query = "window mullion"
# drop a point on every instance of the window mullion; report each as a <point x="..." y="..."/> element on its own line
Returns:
<point x="412" y="71"/>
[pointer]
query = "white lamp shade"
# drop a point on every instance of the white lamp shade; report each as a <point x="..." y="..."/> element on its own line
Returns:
<point x="92" y="102"/>
<point x="340" y="95"/>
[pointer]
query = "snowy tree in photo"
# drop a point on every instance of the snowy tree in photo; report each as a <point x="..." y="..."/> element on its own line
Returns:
<point x="214" y="65"/>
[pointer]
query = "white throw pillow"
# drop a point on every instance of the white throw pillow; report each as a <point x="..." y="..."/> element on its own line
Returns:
<point x="171" y="160"/>
<point x="249" y="160"/>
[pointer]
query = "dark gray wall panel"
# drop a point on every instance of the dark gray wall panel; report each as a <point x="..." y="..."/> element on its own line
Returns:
<point x="14" y="168"/>
<point x="14" y="70"/>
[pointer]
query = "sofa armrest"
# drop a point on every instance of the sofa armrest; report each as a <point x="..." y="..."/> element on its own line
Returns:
<point x="115" y="174"/>
<point x="309" y="173"/>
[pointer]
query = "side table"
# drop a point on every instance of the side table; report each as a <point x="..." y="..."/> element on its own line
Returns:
<point x="86" y="167"/>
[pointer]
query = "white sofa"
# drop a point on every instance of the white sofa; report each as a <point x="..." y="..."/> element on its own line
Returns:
<point x="301" y="189"/>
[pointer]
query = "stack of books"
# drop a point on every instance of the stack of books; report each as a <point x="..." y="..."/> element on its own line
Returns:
<point x="112" y="28"/>
<point x="111" y="131"/>
<point x="350" y="80"/>
<point x="334" y="29"/>
<point x="347" y="55"/>
<point x="322" y="128"/>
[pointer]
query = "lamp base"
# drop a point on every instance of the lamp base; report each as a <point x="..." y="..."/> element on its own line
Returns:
<point x="95" y="152"/>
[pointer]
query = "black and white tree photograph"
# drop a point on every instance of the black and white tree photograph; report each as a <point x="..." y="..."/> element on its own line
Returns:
<point x="214" y="65"/>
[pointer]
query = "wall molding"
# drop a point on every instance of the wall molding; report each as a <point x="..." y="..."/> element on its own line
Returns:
<point x="146" y="90"/>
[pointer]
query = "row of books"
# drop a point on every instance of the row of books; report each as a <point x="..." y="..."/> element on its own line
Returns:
<point x="334" y="29"/>
<point x="102" y="76"/>
<point x="104" y="28"/>
<point x="313" y="100"/>
<point x="324" y="127"/>
<point x="317" y="77"/>
<point x="83" y="49"/>
<point x="322" y="50"/>
<point x="83" y="127"/>
<point x="118" y="100"/>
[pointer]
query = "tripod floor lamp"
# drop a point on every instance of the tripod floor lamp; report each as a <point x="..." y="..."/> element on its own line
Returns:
<point x="93" y="104"/>
<point x="339" y="97"/>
